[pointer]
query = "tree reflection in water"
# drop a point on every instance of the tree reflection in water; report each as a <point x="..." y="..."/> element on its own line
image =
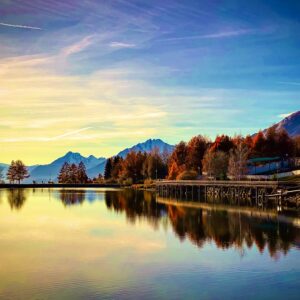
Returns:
<point x="226" y="229"/>
<point x="71" y="197"/>
<point x="16" y="198"/>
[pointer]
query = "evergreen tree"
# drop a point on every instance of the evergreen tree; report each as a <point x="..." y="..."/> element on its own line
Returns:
<point x="64" y="173"/>
<point x="285" y="145"/>
<point x="116" y="167"/>
<point x="271" y="148"/>
<point x="11" y="172"/>
<point x="81" y="173"/>
<point x="72" y="176"/>
<point x="108" y="169"/>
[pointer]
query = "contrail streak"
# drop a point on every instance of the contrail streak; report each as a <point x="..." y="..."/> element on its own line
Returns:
<point x="20" y="26"/>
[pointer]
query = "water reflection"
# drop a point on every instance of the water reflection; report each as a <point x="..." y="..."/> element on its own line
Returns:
<point x="125" y="244"/>
<point x="226" y="229"/>
<point x="136" y="205"/>
<point x="71" y="197"/>
<point x="16" y="198"/>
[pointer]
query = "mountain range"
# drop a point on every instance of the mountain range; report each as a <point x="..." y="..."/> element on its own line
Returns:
<point x="93" y="165"/>
<point x="96" y="165"/>
<point x="291" y="124"/>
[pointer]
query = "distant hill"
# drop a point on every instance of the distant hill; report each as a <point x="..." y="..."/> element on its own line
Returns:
<point x="3" y="169"/>
<point x="99" y="168"/>
<point x="50" y="171"/>
<point x="291" y="124"/>
<point x="148" y="146"/>
<point x="93" y="165"/>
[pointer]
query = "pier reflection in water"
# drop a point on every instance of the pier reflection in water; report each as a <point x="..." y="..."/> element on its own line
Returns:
<point x="225" y="226"/>
<point x="93" y="243"/>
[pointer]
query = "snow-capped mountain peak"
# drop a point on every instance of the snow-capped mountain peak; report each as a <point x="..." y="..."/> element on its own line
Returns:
<point x="148" y="146"/>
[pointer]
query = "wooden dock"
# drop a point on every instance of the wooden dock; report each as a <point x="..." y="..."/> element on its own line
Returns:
<point x="251" y="193"/>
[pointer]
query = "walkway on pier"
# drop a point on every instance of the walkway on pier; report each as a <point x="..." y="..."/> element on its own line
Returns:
<point x="227" y="183"/>
<point x="258" y="193"/>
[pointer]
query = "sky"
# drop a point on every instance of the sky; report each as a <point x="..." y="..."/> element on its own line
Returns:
<point x="97" y="76"/>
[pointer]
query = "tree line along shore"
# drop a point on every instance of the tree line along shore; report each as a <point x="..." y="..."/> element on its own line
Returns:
<point x="225" y="157"/>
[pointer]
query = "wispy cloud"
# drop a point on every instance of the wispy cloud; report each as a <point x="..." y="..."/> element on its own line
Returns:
<point x="121" y="45"/>
<point x="70" y="134"/>
<point x="20" y="26"/>
<point x="290" y="82"/>
<point x="78" y="46"/>
<point x="216" y="35"/>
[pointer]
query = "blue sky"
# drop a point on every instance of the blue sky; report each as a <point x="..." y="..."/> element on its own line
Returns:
<point x="98" y="76"/>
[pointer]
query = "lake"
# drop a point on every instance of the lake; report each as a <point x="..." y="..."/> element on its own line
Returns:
<point x="122" y="244"/>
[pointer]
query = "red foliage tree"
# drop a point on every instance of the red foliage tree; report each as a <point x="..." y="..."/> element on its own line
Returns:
<point x="222" y="143"/>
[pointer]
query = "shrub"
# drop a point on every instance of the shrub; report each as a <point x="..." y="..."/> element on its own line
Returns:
<point x="128" y="181"/>
<point x="187" y="175"/>
<point x="148" y="181"/>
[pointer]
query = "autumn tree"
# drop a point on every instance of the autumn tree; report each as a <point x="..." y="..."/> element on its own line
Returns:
<point x="173" y="171"/>
<point x="154" y="166"/>
<point x="17" y="171"/>
<point x="64" y="173"/>
<point x="133" y="166"/>
<point x="179" y="154"/>
<point x="116" y="170"/>
<point x="215" y="164"/>
<point x="195" y="152"/>
<point x="11" y="172"/>
<point x="270" y="148"/>
<point x="178" y="159"/>
<point x="81" y="173"/>
<point x="237" y="164"/>
<point x="248" y="141"/>
<point x="72" y="173"/>
<point x="222" y="143"/>
<point x="259" y="145"/>
<point x="285" y="145"/>
<point x="296" y="142"/>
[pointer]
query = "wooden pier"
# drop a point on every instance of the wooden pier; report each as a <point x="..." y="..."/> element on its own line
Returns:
<point x="248" y="193"/>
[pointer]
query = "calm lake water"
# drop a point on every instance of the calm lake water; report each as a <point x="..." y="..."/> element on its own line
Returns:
<point x="94" y="244"/>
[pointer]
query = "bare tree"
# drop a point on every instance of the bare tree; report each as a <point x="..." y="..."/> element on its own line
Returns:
<point x="237" y="166"/>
